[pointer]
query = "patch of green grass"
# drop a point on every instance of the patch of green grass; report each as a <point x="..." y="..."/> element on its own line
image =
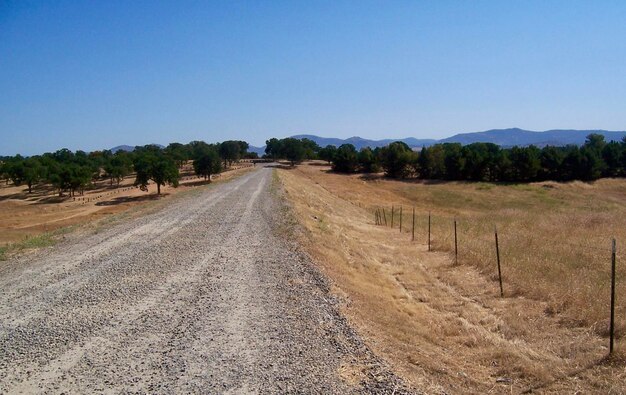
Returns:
<point x="322" y="224"/>
<point x="275" y="184"/>
<point x="47" y="239"/>
<point x="39" y="241"/>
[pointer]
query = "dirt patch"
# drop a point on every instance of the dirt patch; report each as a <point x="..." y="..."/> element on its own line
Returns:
<point x="43" y="211"/>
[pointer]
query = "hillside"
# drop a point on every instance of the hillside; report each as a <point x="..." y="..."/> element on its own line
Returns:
<point x="521" y="137"/>
<point x="503" y="137"/>
<point x="360" y="142"/>
<point x="129" y="148"/>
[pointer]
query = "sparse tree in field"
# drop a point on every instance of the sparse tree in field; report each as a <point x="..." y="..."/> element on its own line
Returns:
<point x="231" y="151"/>
<point x="328" y="153"/>
<point x="15" y="170"/>
<point x="207" y="163"/>
<point x="346" y="159"/>
<point x="197" y="148"/>
<point x="273" y="148"/>
<point x="293" y="150"/>
<point x="243" y="148"/>
<point x="368" y="161"/>
<point x="152" y="164"/>
<point x="117" y="167"/>
<point x="311" y="148"/>
<point x="178" y="152"/>
<point x="33" y="172"/>
<point x="59" y="175"/>
<point x="4" y="169"/>
<point x="395" y="159"/>
<point x="80" y="178"/>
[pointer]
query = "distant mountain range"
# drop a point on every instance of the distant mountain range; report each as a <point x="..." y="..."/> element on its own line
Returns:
<point x="502" y="137"/>
<point x="129" y="148"/>
<point x="520" y="137"/>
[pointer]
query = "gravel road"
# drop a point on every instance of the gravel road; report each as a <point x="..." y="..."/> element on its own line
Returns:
<point x="205" y="295"/>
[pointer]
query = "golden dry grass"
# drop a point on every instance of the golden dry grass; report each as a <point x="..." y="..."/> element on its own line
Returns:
<point x="444" y="327"/>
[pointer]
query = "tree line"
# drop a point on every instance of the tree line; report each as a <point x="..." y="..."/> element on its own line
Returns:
<point x="596" y="158"/>
<point x="73" y="172"/>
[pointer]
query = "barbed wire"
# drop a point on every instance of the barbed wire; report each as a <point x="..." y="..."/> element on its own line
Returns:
<point x="504" y="235"/>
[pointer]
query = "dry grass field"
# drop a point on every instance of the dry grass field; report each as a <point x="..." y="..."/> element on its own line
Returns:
<point x="444" y="327"/>
<point x="36" y="219"/>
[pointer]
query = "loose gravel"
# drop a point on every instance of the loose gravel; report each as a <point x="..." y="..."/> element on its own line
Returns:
<point x="206" y="295"/>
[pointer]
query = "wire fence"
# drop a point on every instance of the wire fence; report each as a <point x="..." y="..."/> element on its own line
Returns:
<point x="547" y="267"/>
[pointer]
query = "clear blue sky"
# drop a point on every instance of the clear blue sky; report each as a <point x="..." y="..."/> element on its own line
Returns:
<point x="95" y="74"/>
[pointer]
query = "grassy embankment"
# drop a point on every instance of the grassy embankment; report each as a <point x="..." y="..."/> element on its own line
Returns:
<point x="445" y="327"/>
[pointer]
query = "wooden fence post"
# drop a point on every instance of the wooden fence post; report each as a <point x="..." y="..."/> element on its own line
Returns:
<point x="392" y="212"/>
<point x="456" y="246"/>
<point x="498" y="257"/>
<point x="400" y="219"/>
<point x="429" y="231"/>
<point x="384" y="216"/>
<point x="413" y="231"/>
<point x="612" y="322"/>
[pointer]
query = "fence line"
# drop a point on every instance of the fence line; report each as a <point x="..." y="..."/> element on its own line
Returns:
<point x="380" y="219"/>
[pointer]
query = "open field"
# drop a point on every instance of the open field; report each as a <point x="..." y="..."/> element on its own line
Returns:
<point x="445" y="327"/>
<point x="43" y="214"/>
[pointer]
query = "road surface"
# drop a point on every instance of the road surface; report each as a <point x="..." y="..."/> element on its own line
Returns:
<point x="205" y="295"/>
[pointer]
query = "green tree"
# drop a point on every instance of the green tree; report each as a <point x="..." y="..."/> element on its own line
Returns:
<point x="327" y="153"/>
<point x="480" y="161"/>
<point x="178" y="152"/>
<point x="231" y="151"/>
<point x="368" y="160"/>
<point x="454" y="161"/>
<point x="551" y="162"/>
<point x="207" y="163"/>
<point x="152" y="164"/>
<point x="117" y="167"/>
<point x="612" y="157"/>
<point x="525" y="163"/>
<point x="273" y="148"/>
<point x="432" y="162"/>
<point x="15" y="169"/>
<point x="395" y="159"/>
<point x="33" y="172"/>
<point x="595" y="142"/>
<point x="623" y="145"/>
<point x="311" y="149"/>
<point x="80" y="177"/>
<point x="293" y="150"/>
<point x="60" y="176"/>
<point x="4" y="170"/>
<point x="346" y="159"/>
